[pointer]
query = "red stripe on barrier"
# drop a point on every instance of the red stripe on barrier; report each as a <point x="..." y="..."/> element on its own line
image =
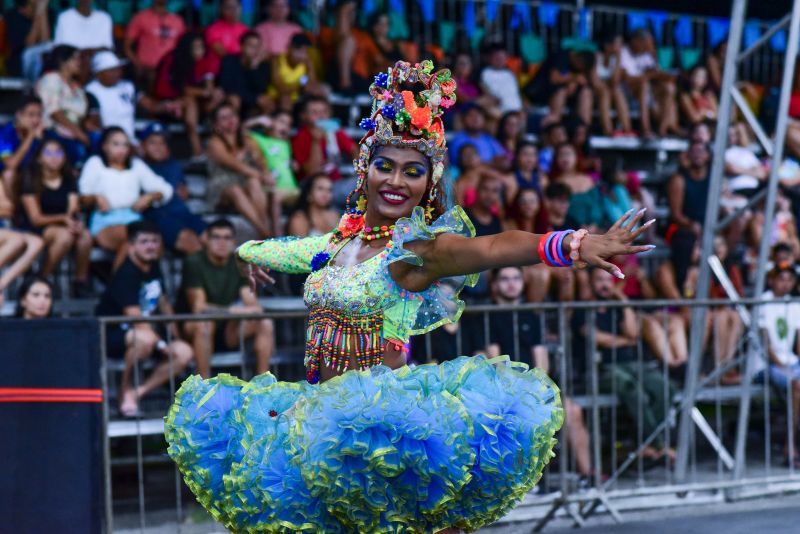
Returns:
<point x="50" y="395"/>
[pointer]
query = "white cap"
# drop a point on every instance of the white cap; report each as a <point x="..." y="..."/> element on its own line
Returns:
<point x="106" y="60"/>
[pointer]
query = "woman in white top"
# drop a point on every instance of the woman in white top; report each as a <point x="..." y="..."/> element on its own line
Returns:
<point x="120" y="187"/>
<point x="609" y="86"/>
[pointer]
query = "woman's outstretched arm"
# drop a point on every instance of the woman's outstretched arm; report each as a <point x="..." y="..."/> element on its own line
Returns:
<point x="452" y="255"/>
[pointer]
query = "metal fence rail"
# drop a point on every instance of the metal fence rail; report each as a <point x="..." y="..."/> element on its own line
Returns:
<point x="619" y="399"/>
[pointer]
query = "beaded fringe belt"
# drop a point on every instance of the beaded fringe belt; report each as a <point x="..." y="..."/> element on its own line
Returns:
<point x="334" y="338"/>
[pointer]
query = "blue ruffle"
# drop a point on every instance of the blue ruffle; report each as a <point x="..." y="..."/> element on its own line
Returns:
<point x="412" y="450"/>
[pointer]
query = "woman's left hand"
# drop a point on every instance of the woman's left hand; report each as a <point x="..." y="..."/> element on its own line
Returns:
<point x="597" y="249"/>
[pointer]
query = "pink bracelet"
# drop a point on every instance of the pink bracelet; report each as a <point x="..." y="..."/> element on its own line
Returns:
<point x="575" y="249"/>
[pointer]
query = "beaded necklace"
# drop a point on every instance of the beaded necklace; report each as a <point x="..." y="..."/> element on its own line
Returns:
<point x="377" y="232"/>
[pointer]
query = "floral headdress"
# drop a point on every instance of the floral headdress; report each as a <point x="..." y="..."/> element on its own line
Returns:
<point x="401" y="117"/>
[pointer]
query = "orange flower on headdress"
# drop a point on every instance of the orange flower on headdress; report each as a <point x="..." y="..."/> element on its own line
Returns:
<point x="420" y="116"/>
<point x="437" y="131"/>
<point x="448" y="87"/>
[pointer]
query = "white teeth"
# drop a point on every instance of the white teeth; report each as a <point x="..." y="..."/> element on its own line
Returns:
<point x="390" y="196"/>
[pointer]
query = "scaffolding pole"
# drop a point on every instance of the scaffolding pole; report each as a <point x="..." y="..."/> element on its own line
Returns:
<point x="728" y="96"/>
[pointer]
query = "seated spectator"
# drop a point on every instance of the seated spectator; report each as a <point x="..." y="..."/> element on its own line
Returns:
<point x="616" y="198"/>
<point x="292" y="73"/>
<point x="510" y="131"/>
<point x="49" y="208"/>
<point x="137" y="289"/>
<point x="586" y="202"/>
<point x="20" y="139"/>
<point x="373" y="52"/>
<point x="465" y="192"/>
<point x="150" y="35"/>
<point x="320" y="145"/>
<point x="65" y="105"/>
<point x="468" y="90"/>
<point x="245" y="76"/>
<point x="698" y="101"/>
<point x="486" y="222"/>
<point x="498" y="81"/>
<point x="745" y="173"/>
<point x="588" y="160"/>
<point x="687" y="196"/>
<point x="180" y="228"/>
<point x="185" y="81"/>
<point x="274" y="142"/>
<point x="224" y="36"/>
<point x="564" y="78"/>
<point x="702" y="132"/>
<point x="117" y="98"/>
<point x="553" y="135"/>
<point x="34" y="299"/>
<point x="18" y="250"/>
<point x="312" y="214"/>
<point x="120" y="187"/>
<point x="85" y="28"/>
<point x="489" y="149"/>
<point x="641" y="389"/>
<point x="523" y="211"/>
<point x="277" y="30"/>
<point x="608" y="86"/>
<point x="238" y="176"/>
<point x="649" y="84"/>
<point x="27" y="28"/>
<point x="212" y="284"/>
<point x="503" y="338"/>
<point x="779" y="364"/>
<point x="526" y="167"/>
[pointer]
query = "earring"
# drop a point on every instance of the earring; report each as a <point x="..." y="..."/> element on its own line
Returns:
<point x="361" y="201"/>
<point x="429" y="205"/>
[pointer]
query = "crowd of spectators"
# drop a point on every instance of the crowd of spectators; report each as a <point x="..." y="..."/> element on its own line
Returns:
<point x="255" y="104"/>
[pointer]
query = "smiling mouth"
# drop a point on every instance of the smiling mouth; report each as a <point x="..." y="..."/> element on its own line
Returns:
<point x="393" y="197"/>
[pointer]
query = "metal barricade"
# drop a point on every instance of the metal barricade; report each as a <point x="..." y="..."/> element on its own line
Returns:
<point x="618" y="366"/>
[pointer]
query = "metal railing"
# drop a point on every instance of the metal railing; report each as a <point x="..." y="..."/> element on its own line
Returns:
<point x="619" y="400"/>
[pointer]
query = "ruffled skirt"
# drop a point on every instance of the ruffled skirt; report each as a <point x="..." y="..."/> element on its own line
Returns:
<point x="412" y="450"/>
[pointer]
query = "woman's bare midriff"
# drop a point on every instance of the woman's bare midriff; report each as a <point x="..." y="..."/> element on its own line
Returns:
<point x="393" y="358"/>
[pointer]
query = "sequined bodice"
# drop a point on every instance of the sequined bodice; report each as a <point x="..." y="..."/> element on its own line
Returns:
<point x="353" y="289"/>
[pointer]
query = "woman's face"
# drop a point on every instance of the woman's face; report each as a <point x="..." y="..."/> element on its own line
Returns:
<point x="699" y="79"/>
<point x="512" y="127"/>
<point x="528" y="204"/>
<point x="321" y="193"/>
<point x="381" y="27"/>
<point x="37" y="302"/>
<point x="52" y="157"/>
<point x="198" y="49"/>
<point x="566" y="158"/>
<point x="72" y="66"/>
<point x="463" y="66"/>
<point x="469" y="158"/>
<point x="226" y="120"/>
<point x="397" y="179"/>
<point x="528" y="158"/>
<point x="117" y="148"/>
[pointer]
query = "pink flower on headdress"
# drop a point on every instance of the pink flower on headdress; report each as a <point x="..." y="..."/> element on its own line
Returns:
<point x="448" y="87"/>
<point x="387" y="96"/>
<point x="446" y="103"/>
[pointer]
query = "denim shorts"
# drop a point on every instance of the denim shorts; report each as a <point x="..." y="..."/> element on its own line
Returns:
<point x="780" y="376"/>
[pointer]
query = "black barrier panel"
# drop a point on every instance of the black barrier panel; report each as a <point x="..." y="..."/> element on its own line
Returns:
<point x="50" y="427"/>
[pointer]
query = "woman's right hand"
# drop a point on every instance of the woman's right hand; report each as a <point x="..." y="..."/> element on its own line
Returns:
<point x="255" y="275"/>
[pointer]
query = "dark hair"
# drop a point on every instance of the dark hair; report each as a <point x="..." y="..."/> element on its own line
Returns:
<point x="221" y="224"/>
<point x="249" y="35"/>
<point x="107" y="133"/>
<point x="461" y="150"/>
<point x="556" y="170"/>
<point x="501" y="126"/>
<point x="182" y="68"/>
<point x="60" y="55"/>
<point x="33" y="173"/>
<point x="552" y="126"/>
<point x="495" y="46"/>
<point x="25" y="288"/>
<point x="494" y="273"/>
<point x="29" y="99"/>
<point x="374" y="18"/>
<point x="299" y="40"/>
<point x="523" y="145"/>
<point x="557" y="190"/>
<point x="781" y="247"/>
<point x="514" y="212"/>
<point x="239" y="134"/>
<point x="145" y="226"/>
<point x="302" y="204"/>
<point x="608" y="36"/>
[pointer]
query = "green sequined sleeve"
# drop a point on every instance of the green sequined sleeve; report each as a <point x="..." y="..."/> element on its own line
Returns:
<point x="291" y="255"/>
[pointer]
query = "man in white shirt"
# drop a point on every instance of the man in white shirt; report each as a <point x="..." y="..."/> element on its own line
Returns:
<point x="117" y="98"/>
<point x="780" y="323"/>
<point x="85" y="28"/>
<point x="498" y="80"/>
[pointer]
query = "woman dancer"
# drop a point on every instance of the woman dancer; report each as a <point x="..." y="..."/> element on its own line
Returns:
<point x="369" y="444"/>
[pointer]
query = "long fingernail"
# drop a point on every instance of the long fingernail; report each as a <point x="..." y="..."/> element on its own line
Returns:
<point x="648" y="223"/>
<point x="619" y="274"/>
<point x="650" y="247"/>
<point x="641" y="212"/>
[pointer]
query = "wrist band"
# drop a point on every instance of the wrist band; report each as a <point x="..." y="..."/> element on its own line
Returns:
<point x="543" y="243"/>
<point x="565" y="261"/>
<point x="551" y="261"/>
